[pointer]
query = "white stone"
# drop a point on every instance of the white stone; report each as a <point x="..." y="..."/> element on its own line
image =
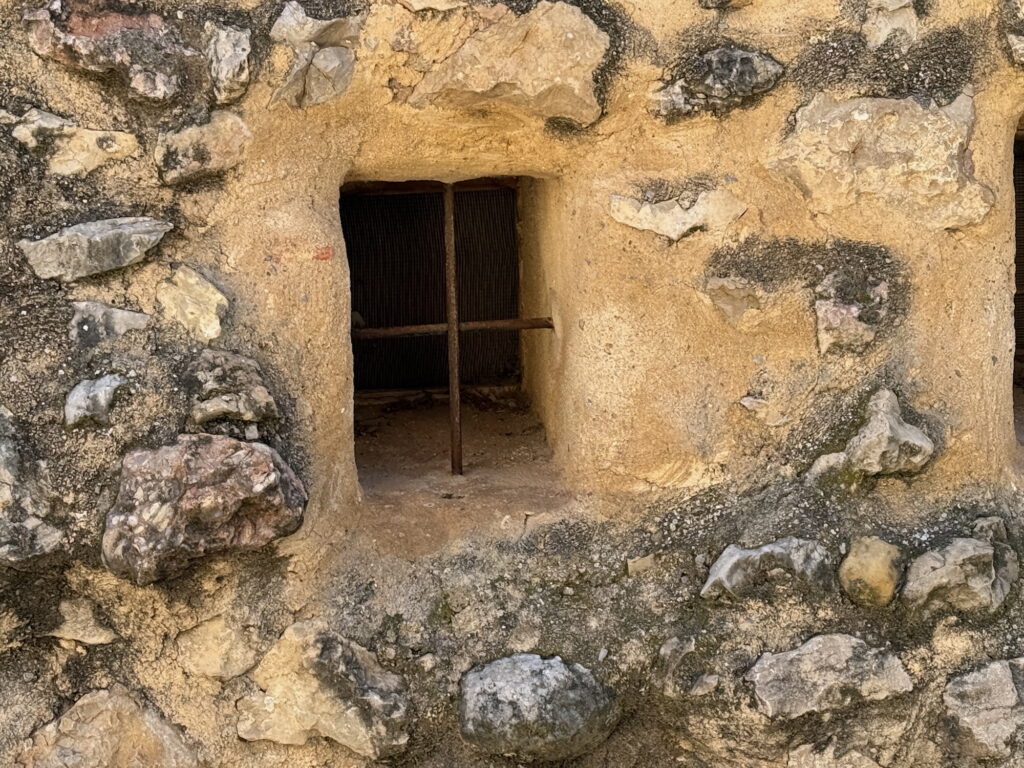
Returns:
<point x="738" y="572"/>
<point x="432" y="5"/>
<point x="885" y="17"/>
<point x="94" y="321"/>
<point x="80" y="623"/>
<point x="987" y="708"/>
<point x="90" y="400"/>
<point x="294" y="27"/>
<point x="1016" y="43"/>
<point x="216" y="648"/>
<point x="193" y="301"/>
<point x="73" y="151"/>
<point x="713" y="210"/>
<point x="227" y="53"/>
<point x="808" y="756"/>
<point x="329" y="74"/>
<point x="203" y="150"/>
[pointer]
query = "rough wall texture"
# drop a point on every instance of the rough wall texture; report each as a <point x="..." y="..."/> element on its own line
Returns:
<point x="776" y="241"/>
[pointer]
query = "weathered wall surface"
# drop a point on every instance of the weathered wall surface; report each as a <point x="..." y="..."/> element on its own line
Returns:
<point x="777" y="244"/>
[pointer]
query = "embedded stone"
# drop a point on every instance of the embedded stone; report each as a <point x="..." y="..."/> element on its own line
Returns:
<point x="109" y="729"/>
<point x="201" y="496"/>
<point x="329" y="74"/>
<point x="968" y="574"/>
<point x="827" y="673"/>
<point x="541" y="62"/>
<point x="94" y="321"/>
<point x="79" y="623"/>
<point x="885" y="445"/>
<point x="316" y="682"/>
<point x="719" y="80"/>
<point x="1016" y="43"/>
<point x="670" y="656"/>
<point x="714" y="210"/>
<point x="231" y="387"/>
<point x="844" y="154"/>
<point x="431" y="5"/>
<point x="141" y="49"/>
<point x="885" y="18"/>
<point x="810" y="756"/>
<point x="216" y="648"/>
<point x="717" y="5"/>
<point x="871" y="571"/>
<point x="227" y="54"/>
<point x="844" y="321"/>
<point x="734" y="296"/>
<point x="987" y="708"/>
<point x="90" y="400"/>
<point x="739" y="572"/>
<point x="294" y="27"/>
<point x="531" y="708"/>
<point x="191" y="300"/>
<point x="202" y="150"/>
<point x="92" y="248"/>
<point x="73" y="151"/>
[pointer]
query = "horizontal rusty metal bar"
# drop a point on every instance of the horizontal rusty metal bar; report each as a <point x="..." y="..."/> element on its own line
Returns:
<point x="436" y="329"/>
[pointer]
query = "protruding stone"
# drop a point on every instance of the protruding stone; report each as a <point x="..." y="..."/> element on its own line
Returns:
<point x="809" y="756"/>
<point x="90" y="400"/>
<point x="227" y="53"/>
<point x="531" y="708"/>
<point x="714" y="210"/>
<point x="294" y="27"/>
<point x="845" y="321"/>
<point x="73" y="151"/>
<point x="142" y="50"/>
<point x="94" y="321"/>
<point x="203" y="495"/>
<point x="216" y="648"/>
<point x="971" y="575"/>
<point x="193" y="301"/>
<point x="827" y="673"/>
<point x="987" y="708"/>
<point x="670" y="656"/>
<point x="94" y="247"/>
<point x="204" y="150"/>
<point x="825" y="157"/>
<point x="885" y="445"/>
<point x="541" y="62"/>
<point x="1016" y="43"/>
<point x="329" y="74"/>
<point x="319" y="683"/>
<point x="231" y="387"/>
<point x="109" y="729"/>
<point x="719" y="80"/>
<point x="741" y="572"/>
<point x="431" y="5"/>
<point x="734" y="296"/>
<point x="80" y="623"/>
<point x="886" y="18"/>
<point x="871" y="572"/>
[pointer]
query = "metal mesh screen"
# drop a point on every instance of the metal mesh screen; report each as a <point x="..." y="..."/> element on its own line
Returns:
<point x="395" y="245"/>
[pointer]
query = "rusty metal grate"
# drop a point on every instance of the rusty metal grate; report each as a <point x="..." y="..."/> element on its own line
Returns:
<point x="435" y="287"/>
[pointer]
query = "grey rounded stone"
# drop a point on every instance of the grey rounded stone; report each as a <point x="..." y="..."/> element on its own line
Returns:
<point x="532" y="708"/>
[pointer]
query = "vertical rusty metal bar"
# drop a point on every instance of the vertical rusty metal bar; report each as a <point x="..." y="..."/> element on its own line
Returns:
<point x="452" y="315"/>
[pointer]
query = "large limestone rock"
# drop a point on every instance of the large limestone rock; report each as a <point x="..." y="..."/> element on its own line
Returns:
<point x="204" y="495"/>
<point x="191" y="300"/>
<point x="227" y="54"/>
<point x="73" y="151"/>
<point x="532" y="708"/>
<point x="968" y="574"/>
<point x="885" y="445"/>
<point x="987" y="707"/>
<point x="89" y="401"/>
<point x="740" y="572"/>
<point x="93" y="247"/>
<point x="827" y="673"/>
<point x="231" y="387"/>
<point x="142" y="50"/>
<point x="542" y="62"/>
<point x="850" y="153"/>
<point x="94" y="321"/>
<point x="316" y="682"/>
<point x="719" y="80"/>
<point x="109" y="729"/>
<point x="713" y="210"/>
<point x="203" y="150"/>
<point x="871" y="572"/>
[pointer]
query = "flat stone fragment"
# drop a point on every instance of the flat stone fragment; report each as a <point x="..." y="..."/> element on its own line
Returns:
<point x="531" y="708"/>
<point x="109" y="729"/>
<point x="987" y="708"/>
<point x="808" y="756"/>
<point x="839" y="325"/>
<point x="231" y="387"/>
<point x="431" y="5"/>
<point x="90" y="400"/>
<point x="317" y="682"/>
<point x="329" y="74"/>
<point x="871" y="571"/>
<point x="1016" y="43"/>
<point x="827" y="673"/>
<point x="79" y="623"/>
<point x="713" y="210"/>
<point x="94" y="321"/>
<point x="216" y="648"/>
<point x="203" y="495"/>
<point x="741" y="572"/>
<point x="142" y="50"/>
<point x="843" y="154"/>
<point x="541" y="62"/>
<point x="294" y="27"/>
<point x="202" y="150"/>
<point x="885" y="18"/>
<point x="720" y="80"/>
<point x="94" y="247"/>
<point x="227" y="54"/>
<point x="191" y="300"/>
<point x="73" y="151"/>
<point x="968" y="574"/>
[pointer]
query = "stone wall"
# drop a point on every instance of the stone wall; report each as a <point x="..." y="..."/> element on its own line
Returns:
<point x="777" y="245"/>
